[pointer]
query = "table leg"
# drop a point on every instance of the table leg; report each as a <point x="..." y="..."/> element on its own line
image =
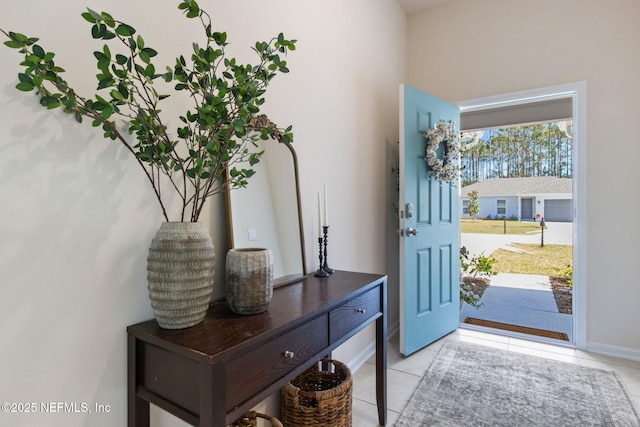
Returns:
<point x="137" y="408"/>
<point x="212" y="396"/>
<point x="381" y="361"/>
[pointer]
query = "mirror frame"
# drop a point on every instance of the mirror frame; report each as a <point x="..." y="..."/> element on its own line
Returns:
<point x="284" y="280"/>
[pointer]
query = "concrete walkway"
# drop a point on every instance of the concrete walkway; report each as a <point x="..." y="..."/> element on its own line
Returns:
<point x="521" y="299"/>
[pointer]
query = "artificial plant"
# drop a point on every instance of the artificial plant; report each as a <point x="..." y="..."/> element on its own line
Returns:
<point x="214" y="135"/>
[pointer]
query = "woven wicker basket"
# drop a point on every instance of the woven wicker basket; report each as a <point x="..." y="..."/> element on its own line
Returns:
<point x="319" y="398"/>
<point x="250" y="419"/>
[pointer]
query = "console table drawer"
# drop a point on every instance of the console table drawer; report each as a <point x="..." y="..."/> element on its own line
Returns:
<point x="273" y="360"/>
<point x="354" y="313"/>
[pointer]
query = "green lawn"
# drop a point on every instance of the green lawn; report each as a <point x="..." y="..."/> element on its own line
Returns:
<point x="487" y="226"/>
<point x="549" y="260"/>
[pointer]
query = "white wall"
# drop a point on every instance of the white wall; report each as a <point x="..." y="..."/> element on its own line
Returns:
<point x="478" y="48"/>
<point x="77" y="215"/>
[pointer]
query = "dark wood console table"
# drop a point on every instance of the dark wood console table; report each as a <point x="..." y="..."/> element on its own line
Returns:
<point x="211" y="374"/>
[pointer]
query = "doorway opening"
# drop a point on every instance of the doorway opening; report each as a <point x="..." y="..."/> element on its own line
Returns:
<point x="525" y="164"/>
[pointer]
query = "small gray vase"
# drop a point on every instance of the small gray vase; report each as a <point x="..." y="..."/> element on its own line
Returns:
<point x="249" y="275"/>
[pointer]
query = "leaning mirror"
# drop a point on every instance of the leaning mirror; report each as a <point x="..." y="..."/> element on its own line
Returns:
<point x="268" y="214"/>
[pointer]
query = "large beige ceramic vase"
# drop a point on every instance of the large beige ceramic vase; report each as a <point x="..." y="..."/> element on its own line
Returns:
<point x="249" y="280"/>
<point x="180" y="271"/>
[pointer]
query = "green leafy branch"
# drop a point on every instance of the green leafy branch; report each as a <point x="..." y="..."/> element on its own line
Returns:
<point x="204" y="155"/>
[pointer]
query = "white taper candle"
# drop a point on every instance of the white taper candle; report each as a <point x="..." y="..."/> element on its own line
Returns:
<point x="326" y="208"/>
<point x="319" y="216"/>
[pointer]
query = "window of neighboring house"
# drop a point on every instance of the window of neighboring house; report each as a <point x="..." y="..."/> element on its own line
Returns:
<point x="465" y="206"/>
<point x="502" y="207"/>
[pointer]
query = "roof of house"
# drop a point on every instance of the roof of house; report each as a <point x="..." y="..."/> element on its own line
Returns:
<point x="520" y="186"/>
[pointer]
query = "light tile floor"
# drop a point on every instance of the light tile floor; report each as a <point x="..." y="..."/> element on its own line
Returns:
<point x="403" y="374"/>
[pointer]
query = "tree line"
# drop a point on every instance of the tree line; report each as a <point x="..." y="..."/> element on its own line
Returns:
<point x="523" y="151"/>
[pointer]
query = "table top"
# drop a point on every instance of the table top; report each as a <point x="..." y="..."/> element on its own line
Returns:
<point x="223" y="332"/>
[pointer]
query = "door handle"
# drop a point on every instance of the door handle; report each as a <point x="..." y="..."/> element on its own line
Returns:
<point x="411" y="231"/>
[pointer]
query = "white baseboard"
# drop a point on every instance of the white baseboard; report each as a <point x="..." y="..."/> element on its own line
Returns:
<point x="594" y="347"/>
<point x="393" y="329"/>
<point x="614" y="350"/>
<point x="361" y="358"/>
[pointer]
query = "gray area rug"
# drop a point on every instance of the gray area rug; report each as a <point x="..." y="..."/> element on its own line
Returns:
<point x="474" y="385"/>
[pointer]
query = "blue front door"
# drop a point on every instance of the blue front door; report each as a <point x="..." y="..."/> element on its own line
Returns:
<point x="430" y="228"/>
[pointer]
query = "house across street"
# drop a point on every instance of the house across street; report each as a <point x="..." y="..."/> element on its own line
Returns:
<point x="522" y="198"/>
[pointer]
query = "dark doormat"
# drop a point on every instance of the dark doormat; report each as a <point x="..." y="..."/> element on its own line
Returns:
<point x="517" y="328"/>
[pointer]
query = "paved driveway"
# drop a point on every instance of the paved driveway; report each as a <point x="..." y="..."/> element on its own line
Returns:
<point x="558" y="233"/>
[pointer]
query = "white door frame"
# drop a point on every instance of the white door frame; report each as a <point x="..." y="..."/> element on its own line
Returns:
<point x="578" y="92"/>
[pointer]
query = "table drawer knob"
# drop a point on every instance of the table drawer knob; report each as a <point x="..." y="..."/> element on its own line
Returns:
<point x="289" y="354"/>
<point x="361" y="310"/>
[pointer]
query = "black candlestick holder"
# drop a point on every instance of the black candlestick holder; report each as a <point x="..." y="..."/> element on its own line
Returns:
<point x="325" y="266"/>
<point x="320" y="272"/>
